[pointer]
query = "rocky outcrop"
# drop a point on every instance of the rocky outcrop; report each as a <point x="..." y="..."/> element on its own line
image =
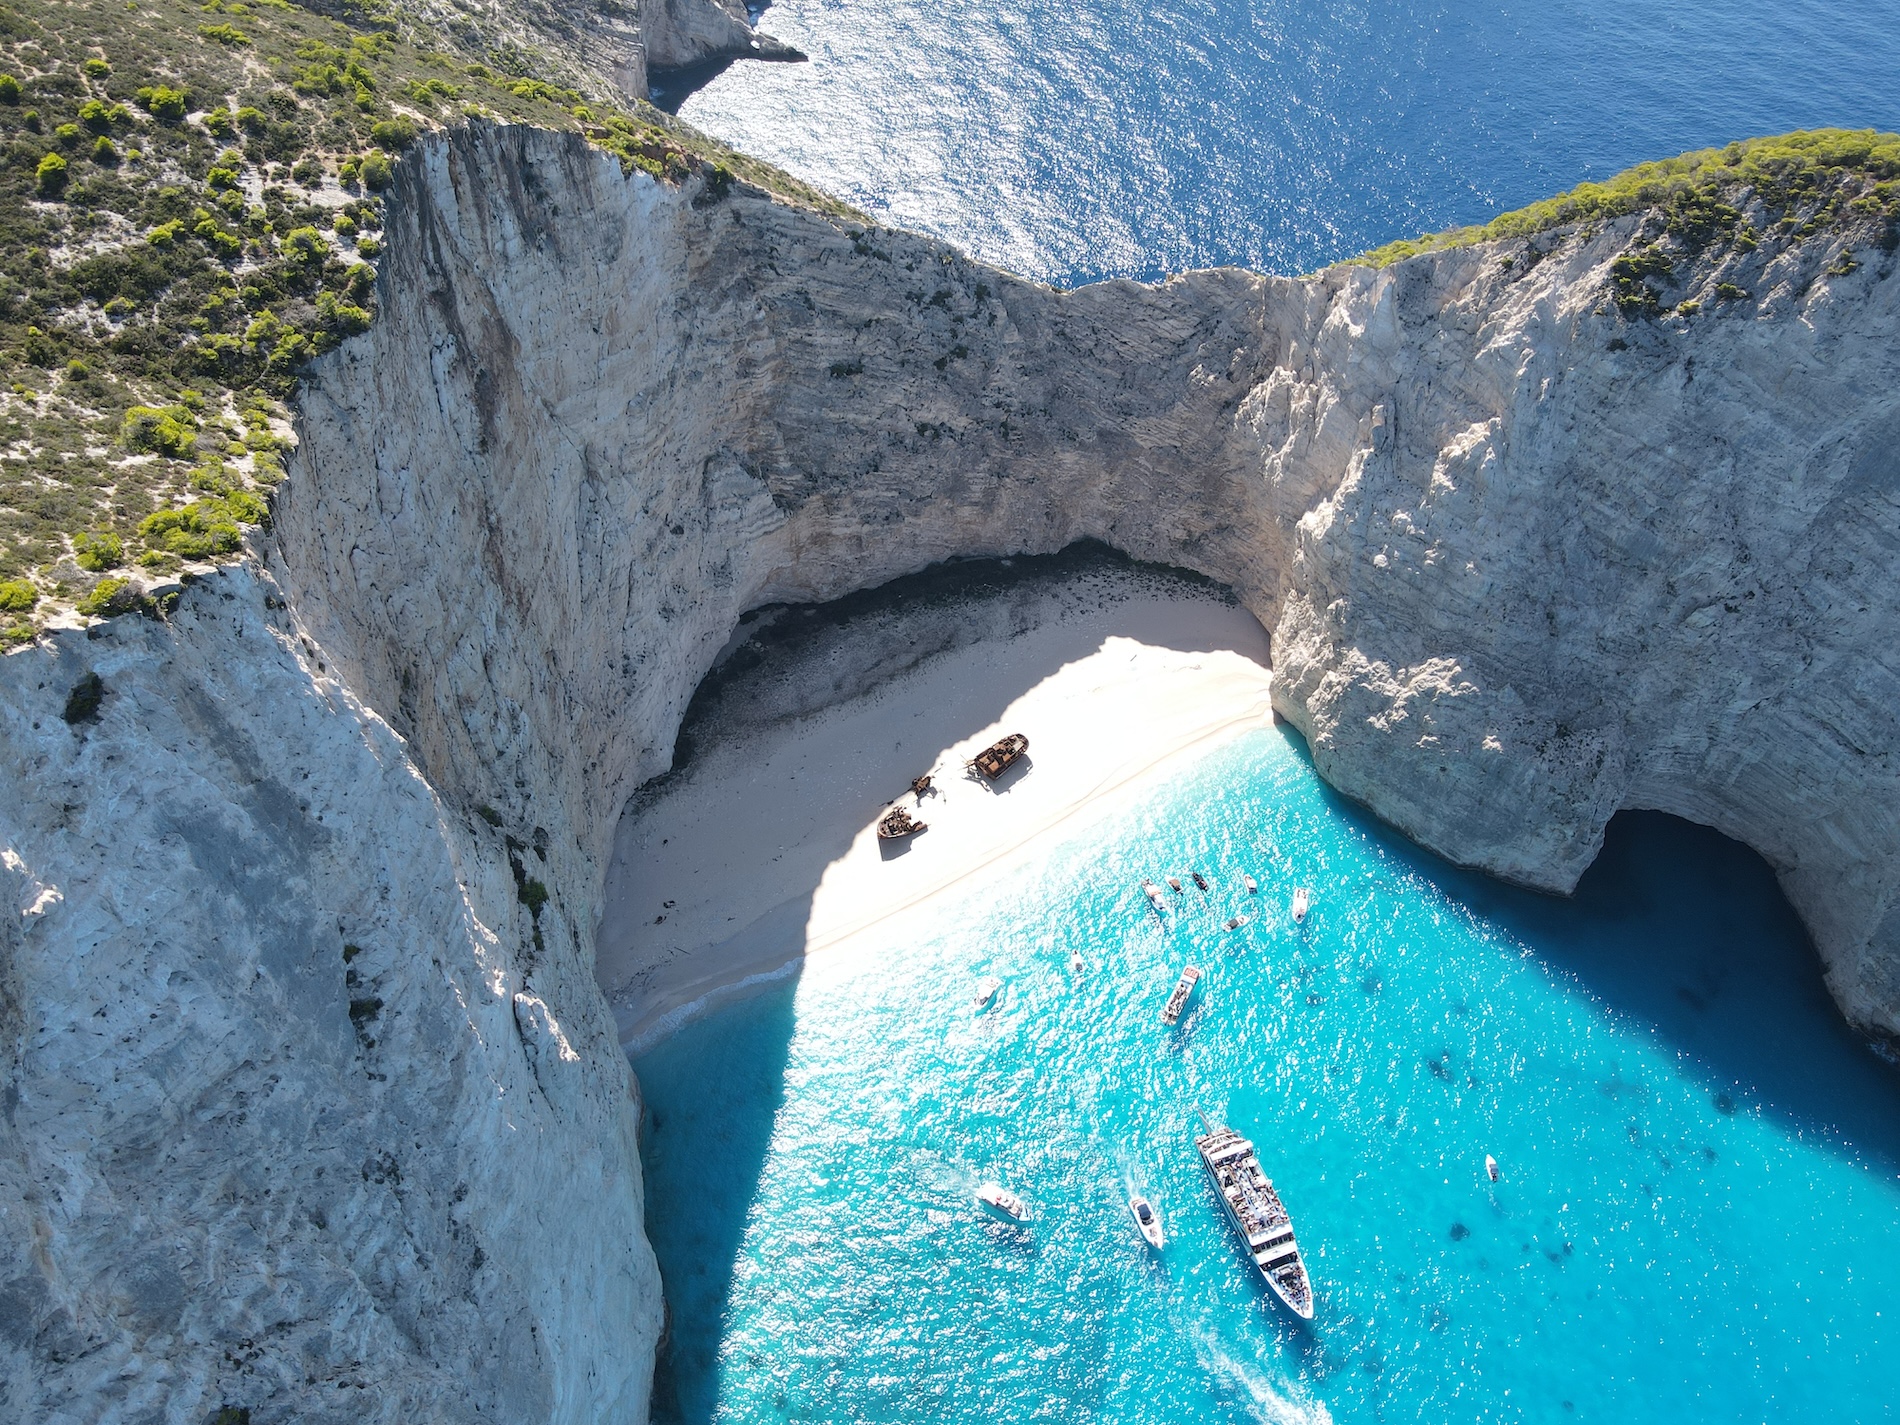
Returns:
<point x="1525" y="562"/>
<point x="681" y="33"/>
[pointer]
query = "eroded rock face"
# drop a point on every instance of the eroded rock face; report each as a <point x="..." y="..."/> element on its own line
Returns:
<point x="1524" y="562"/>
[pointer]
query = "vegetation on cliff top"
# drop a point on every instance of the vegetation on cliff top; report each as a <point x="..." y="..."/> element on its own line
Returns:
<point x="190" y="211"/>
<point x="1808" y="179"/>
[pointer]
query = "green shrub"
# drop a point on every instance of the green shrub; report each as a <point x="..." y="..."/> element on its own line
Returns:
<point x="393" y="134"/>
<point x="103" y="153"/>
<point x="52" y="176"/>
<point x="161" y="430"/>
<point x="305" y="245"/>
<point x="307" y="171"/>
<point x="98" y="551"/>
<point x="96" y="115"/>
<point x="344" y="225"/>
<point x="219" y="123"/>
<point x="368" y="247"/>
<point x="96" y="68"/>
<point x="376" y="172"/>
<point x="108" y="597"/>
<point x="162" y="102"/>
<point x="17" y="596"/>
<point x="204" y="529"/>
<point x="68" y="134"/>
<point x="225" y="35"/>
<point x="9" y="89"/>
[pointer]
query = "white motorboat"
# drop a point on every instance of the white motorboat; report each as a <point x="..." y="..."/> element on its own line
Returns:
<point x="986" y="989"/>
<point x="1302" y="902"/>
<point x="1001" y="1199"/>
<point x="1076" y="963"/>
<point x="1237" y="922"/>
<point x="1258" y="1215"/>
<point x="1491" y="1167"/>
<point x="1253" y="886"/>
<point x="1147" y="1220"/>
<point x="1174" y="884"/>
<point x="1183" y="987"/>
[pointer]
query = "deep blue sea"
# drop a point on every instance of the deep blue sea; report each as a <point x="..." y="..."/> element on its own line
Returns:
<point x="1698" y="1217"/>
<point x="1134" y="137"/>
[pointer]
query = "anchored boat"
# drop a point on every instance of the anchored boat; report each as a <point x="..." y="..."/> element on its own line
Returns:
<point x="999" y="757"/>
<point x="986" y="989"/>
<point x="1183" y="987"/>
<point x="1258" y="1215"/>
<point x="1302" y="902"/>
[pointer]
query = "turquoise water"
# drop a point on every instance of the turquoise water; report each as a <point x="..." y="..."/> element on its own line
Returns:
<point x="1699" y="1212"/>
<point x="1134" y="137"/>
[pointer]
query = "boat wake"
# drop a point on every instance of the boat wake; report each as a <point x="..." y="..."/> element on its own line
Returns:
<point x="1266" y="1402"/>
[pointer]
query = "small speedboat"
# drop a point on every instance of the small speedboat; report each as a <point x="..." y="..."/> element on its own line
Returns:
<point x="1491" y="1167"/>
<point x="1147" y="1221"/>
<point x="1237" y="922"/>
<point x="1076" y="963"/>
<point x="986" y="989"/>
<point x="1174" y="884"/>
<point x="1199" y="879"/>
<point x="1253" y="886"/>
<point x="1302" y="902"/>
<point x="1002" y="1200"/>
<point x="1153" y="892"/>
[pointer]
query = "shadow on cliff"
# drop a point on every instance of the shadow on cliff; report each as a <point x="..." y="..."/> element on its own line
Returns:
<point x="1682" y="928"/>
<point x="715" y="1087"/>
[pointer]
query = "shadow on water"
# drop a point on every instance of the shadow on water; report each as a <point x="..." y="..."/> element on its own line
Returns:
<point x="1682" y="928"/>
<point x="717" y="1134"/>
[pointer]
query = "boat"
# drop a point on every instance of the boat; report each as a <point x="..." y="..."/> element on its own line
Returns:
<point x="1183" y="987"/>
<point x="1253" y="886"/>
<point x="1174" y="884"/>
<point x="1147" y="1221"/>
<point x="1237" y="922"/>
<point x="1491" y="1166"/>
<point x="897" y="823"/>
<point x="1076" y="964"/>
<point x="1302" y="902"/>
<point x="1258" y="1215"/>
<point x="1199" y="879"/>
<point x="920" y="785"/>
<point x="1153" y="892"/>
<point x="999" y="757"/>
<point x="1004" y="1201"/>
<point x="986" y="989"/>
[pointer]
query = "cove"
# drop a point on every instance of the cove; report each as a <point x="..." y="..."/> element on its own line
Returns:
<point x="1700" y="1191"/>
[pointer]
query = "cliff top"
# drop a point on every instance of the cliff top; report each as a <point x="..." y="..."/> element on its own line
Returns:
<point x="1806" y="178"/>
<point x="190" y="211"/>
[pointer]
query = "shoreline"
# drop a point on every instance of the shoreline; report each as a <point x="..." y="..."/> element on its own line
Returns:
<point x="761" y="850"/>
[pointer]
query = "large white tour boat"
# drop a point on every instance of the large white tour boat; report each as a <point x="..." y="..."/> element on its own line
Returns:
<point x="1258" y="1215"/>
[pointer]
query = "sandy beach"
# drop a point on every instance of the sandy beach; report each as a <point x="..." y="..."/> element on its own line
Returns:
<point x="763" y="849"/>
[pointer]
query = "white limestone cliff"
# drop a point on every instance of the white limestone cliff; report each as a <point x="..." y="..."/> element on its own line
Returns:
<point x="1524" y="563"/>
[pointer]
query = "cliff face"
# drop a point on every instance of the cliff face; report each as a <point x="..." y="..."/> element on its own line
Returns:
<point x="1524" y="563"/>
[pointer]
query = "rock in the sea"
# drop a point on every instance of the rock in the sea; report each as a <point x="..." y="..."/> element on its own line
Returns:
<point x="312" y="1106"/>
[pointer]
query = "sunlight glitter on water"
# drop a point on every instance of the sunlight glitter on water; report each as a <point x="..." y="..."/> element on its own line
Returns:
<point x="1679" y="1231"/>
<point x="1070" y="143"/>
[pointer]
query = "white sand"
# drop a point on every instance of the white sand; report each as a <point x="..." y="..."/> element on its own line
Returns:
<point x="765" y="849"/>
